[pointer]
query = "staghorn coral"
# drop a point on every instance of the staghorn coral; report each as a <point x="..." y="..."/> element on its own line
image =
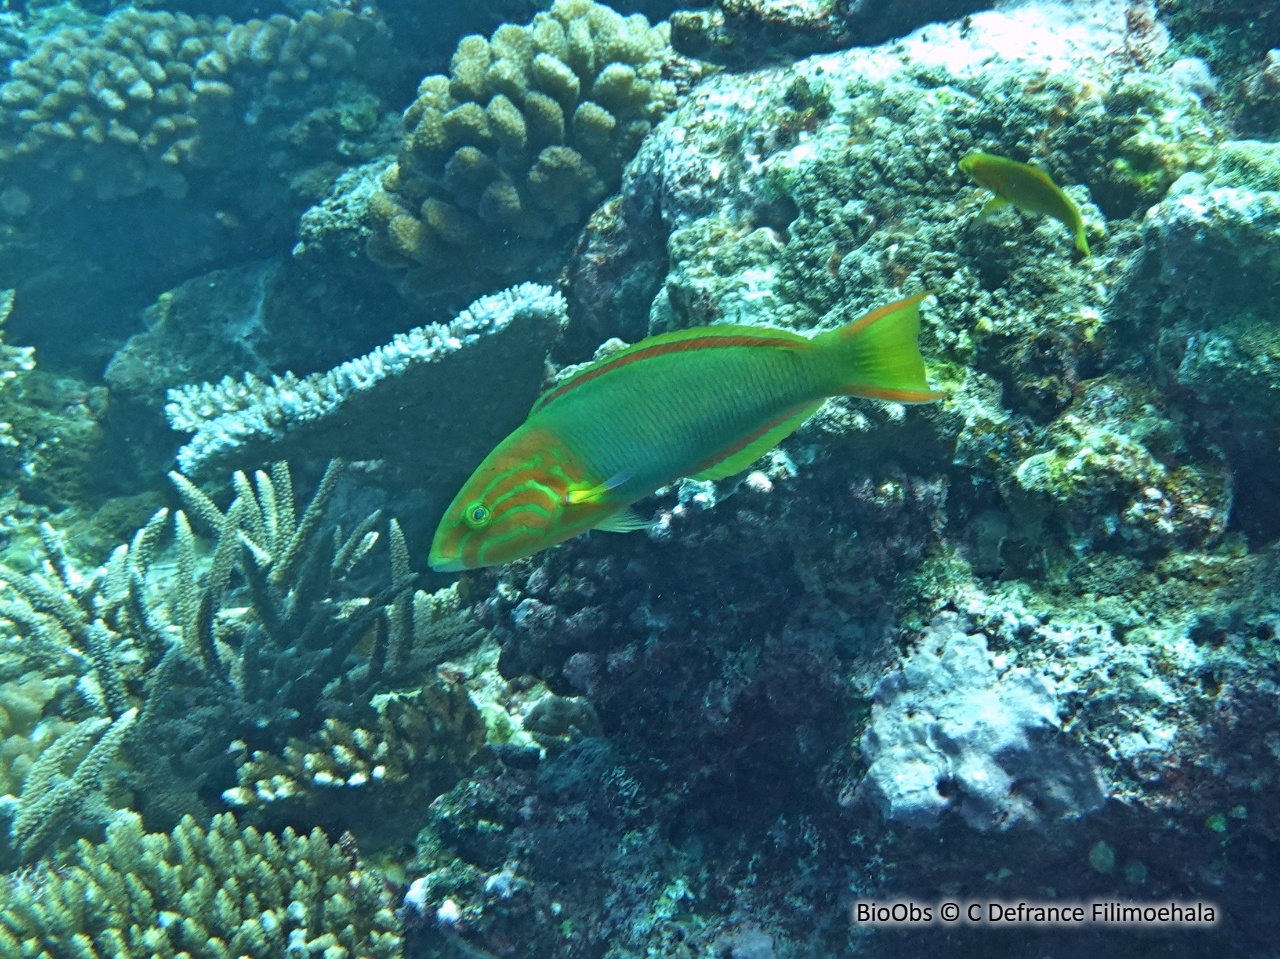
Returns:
<point x="277" y="655"/>
<point x="205" y="892"/>
<point x="399" y="748"/>
<point x="280" y="652"/>
<point x="63" y="781"/>
<point x="410" y="747"/>
<point x="530" y="129"/>
<point x="85" y="626"/>
<point x="439" y="367"/>
<point x="137" y="100"/>
<point x="259" y="636"/>
<point x="95" y="619"/>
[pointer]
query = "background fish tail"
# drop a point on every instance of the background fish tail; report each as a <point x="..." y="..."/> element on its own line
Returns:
<point x="879" y="356"/>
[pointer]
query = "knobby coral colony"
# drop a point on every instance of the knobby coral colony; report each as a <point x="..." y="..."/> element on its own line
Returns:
<point x="139" y="99"/>
<point x="530" y="129"/>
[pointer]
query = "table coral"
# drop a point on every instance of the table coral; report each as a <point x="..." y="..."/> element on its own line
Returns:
<point x="437" y="367"/>
<point x="530" y="129"/>
<point x="208" y="892"/>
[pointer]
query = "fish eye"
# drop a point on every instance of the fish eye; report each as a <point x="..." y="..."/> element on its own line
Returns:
<point x="476" y="515"/>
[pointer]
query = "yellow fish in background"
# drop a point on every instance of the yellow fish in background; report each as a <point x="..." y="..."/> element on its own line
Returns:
<point x="705" y="403"/>
<point x="1026" y="188"/>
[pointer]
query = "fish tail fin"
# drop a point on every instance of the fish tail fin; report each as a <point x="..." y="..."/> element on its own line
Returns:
<point x="878" y="355"/>
<point x="1082" y="244"/>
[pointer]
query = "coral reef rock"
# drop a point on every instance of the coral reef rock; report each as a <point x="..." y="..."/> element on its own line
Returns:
<point x="1210" y="244"/>
<point x="952" y="729"/>
<point x="742" y="33"/>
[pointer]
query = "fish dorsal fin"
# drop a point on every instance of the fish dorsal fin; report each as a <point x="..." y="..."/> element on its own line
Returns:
<point x="623" y="521"/>
<point x="740" y="457"/>
<point x="703" y="337"/>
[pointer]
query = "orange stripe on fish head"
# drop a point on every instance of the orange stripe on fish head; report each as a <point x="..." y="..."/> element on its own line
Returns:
<point x="514" y="505"/>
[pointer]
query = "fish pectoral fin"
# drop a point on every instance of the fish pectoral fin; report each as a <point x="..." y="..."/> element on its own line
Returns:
<point x="994" y="206"/>
<point x="623" y="521"/>
<point x="735" y="461"/>
<point x="596" y="493"/>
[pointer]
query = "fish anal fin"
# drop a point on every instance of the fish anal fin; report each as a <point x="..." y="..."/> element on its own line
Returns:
<point x="623" y="521"/>
<point x="736" y="460"/>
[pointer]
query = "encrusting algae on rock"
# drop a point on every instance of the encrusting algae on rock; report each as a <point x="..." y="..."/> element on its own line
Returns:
<point x="703" y="403"/>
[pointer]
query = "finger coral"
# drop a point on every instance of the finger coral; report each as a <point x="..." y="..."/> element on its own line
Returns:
<point x="212" y="892"/>
<point x="530" y="129"/>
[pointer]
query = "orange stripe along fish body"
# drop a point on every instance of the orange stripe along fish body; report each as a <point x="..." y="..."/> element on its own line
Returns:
<point x="705" y="403"/>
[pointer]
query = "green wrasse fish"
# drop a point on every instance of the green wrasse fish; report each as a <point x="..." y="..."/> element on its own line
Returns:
<point x="705" y="403"/>
<point x="1026" y="188"/>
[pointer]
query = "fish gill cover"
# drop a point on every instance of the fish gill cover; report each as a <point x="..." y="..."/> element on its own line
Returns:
<point x="1016" y="645"/>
